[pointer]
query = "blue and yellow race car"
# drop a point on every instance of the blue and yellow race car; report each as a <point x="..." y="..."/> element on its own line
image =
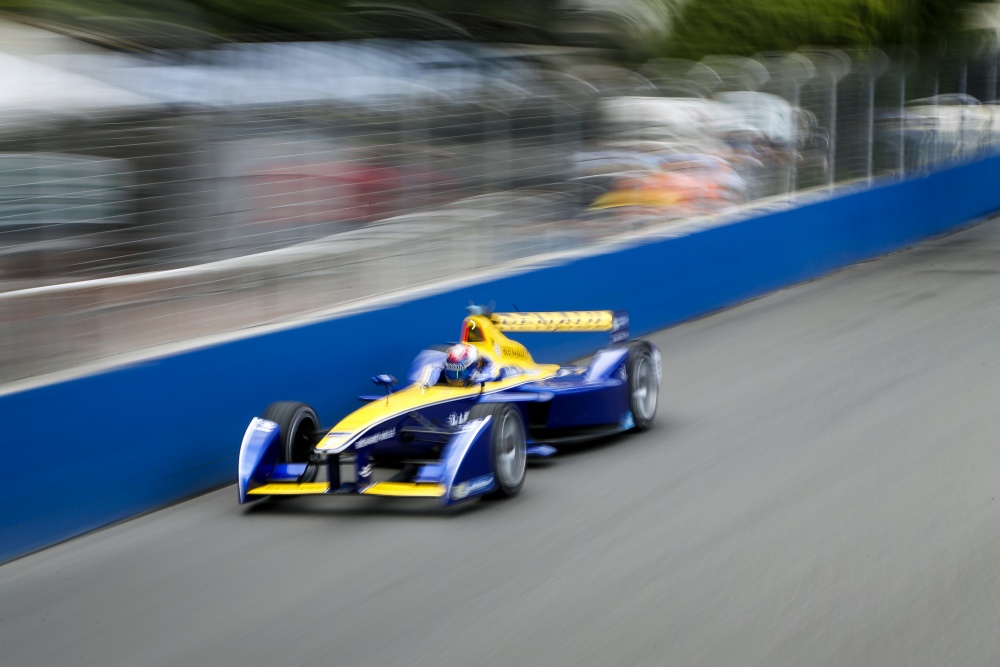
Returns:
<point x="469" y="418"/>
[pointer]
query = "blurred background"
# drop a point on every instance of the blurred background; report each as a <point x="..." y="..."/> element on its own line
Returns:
<point x="171" y="170"/>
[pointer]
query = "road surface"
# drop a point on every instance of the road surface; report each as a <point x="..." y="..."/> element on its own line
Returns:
<point x="821" y="487"/>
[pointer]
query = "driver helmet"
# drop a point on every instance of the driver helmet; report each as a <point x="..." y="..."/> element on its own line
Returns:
<point x="461" y="364"/>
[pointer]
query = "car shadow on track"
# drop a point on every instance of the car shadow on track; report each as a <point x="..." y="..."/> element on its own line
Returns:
<point x="393" y="508"/>
<point x="608" y="442"/>
<point x="363" y="507"/>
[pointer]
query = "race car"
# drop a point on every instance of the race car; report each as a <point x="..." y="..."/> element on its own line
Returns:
<point x="457" y="438"/>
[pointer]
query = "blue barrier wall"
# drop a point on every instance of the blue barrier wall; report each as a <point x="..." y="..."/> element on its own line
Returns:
<point x="87" y="452"/>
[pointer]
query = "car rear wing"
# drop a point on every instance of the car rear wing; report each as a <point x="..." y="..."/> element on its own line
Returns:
<point x="616" y="322"/>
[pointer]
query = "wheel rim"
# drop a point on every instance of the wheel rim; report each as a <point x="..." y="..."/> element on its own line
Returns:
<point x="644" y="389"/>
<point x="511" y="455"/>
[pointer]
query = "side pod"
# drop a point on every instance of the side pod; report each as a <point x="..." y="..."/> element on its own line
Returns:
<point x="467" y="463"/>
<point x="258" y="456"/>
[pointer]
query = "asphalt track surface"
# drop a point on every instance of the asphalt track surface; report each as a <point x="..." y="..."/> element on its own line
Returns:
<point x="822" y="487"/>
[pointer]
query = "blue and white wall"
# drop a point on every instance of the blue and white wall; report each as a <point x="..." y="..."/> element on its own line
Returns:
<point x="87" y="452"/>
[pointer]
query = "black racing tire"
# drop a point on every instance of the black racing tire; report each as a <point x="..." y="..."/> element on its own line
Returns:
<point x="643" y="384"/>
<point x="298" y="426"/>
<point x="508" y="446"/>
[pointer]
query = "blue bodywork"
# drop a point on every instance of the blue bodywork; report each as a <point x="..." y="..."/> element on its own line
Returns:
<point x="576" y="398"/>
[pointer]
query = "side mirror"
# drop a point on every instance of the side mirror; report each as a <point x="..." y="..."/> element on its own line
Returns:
<point x="386" y="381"/>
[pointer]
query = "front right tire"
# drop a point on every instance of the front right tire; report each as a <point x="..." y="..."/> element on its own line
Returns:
<point x="643" y="384"/>
<point x="508" y="446"/>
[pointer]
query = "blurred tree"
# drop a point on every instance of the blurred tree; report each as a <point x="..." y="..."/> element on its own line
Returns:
<point x="126" y="21"/>
<point x="745" y="27"/>
<point x="636" y="28"/>
<point x="271" y="20"/>
<point x="120" y="23"/>
<point x="524" y="21"/>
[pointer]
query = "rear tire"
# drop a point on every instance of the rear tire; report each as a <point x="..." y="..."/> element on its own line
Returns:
<point x="298" y="426"/>
<point x="643" y="384"/>
<point x="508" y="446"/>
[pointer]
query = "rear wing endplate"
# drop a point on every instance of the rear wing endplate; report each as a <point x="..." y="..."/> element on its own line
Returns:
<point x="613" y="321"/>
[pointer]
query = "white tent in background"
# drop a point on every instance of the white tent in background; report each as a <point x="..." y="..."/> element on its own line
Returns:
<point x="34" y="84"/>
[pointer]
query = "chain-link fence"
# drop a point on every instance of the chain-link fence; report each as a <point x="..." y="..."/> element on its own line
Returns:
<point x="255" y="184"/>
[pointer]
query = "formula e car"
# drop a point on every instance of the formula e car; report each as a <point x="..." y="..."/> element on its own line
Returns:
<point x="435" y="440"/>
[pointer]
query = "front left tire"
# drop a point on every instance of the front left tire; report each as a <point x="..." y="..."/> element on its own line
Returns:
<point x="298" y="427"/>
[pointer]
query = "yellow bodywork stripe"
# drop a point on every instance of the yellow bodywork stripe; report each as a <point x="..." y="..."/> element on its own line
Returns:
<point x="409" y="489"/>
<point x="289" y="489"/>
<point x="413" y="398"/>
<point x="491" y="342"/>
